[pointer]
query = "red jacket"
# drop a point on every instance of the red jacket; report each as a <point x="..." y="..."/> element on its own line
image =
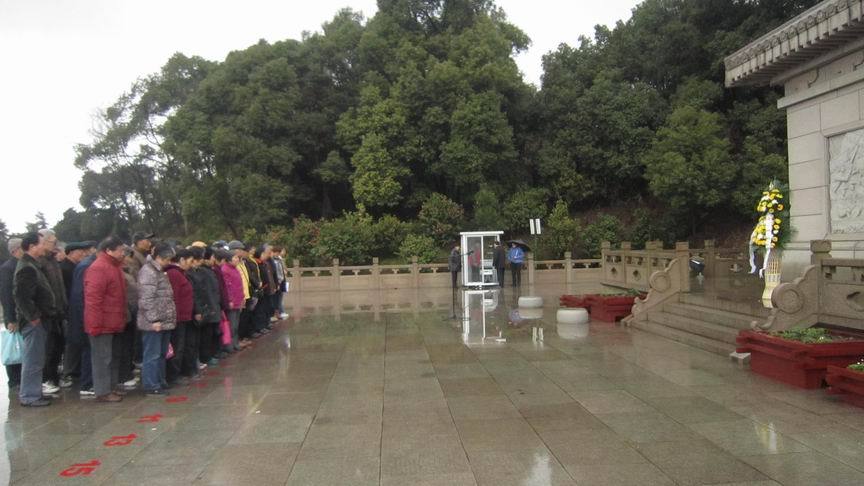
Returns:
<point x="183" y="294"/>
<point x="105" y="307"/>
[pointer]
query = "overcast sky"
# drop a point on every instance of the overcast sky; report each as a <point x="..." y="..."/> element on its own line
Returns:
<point x="64" y="59"/>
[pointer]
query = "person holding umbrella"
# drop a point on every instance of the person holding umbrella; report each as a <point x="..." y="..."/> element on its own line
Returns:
<point x="516" y="256"/>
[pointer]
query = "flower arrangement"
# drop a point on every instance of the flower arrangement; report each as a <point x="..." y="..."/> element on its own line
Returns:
<point x="772" y="230"/>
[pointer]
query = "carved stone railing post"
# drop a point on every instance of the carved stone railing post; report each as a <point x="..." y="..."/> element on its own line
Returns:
<point x="568" y="267"/>
<point x="710" y="259"/>
<point x="297" y="273"/>
<point x="336" y="274"/>
<point x="415" y="272"/>
<point x="376" y="274"/>
<point x="819" y="250"/>
<point x="682" y="255"/>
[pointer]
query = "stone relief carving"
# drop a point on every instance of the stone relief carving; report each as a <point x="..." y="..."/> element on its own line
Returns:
<point x="846" y="162"/>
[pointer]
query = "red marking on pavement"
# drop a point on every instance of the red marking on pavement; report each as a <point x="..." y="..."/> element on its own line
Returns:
<point x="177" y="399"/>
<point x="120" y="440"/>
<point x="212" y="373"/>
<point x="199" y="384"/>
<point x="84" y="469"/>
<point x="149" y="418"/>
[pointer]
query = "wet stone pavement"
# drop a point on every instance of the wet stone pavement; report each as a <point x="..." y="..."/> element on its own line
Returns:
<point x="397" y="397"/>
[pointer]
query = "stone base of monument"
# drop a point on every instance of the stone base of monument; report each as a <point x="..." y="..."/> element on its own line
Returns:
<point x="530" y="302"/>
<point x="575" y="315"/>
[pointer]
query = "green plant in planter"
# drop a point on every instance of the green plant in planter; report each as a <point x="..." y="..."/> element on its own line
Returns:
<point x="810" y="335"/>
<point x="859" y="366"/>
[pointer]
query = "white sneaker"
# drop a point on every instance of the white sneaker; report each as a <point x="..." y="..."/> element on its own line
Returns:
<point x="87" y="393"/>
<point x="131" y="384"/>
<point x="202" y="366"/>
<point x="273" y="319"/>
<point x="49" y="389"/>
<point x="65" y="382"/>
<point x="284" y="315"/>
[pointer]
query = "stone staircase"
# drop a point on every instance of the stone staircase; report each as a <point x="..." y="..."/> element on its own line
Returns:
<point x="703" y="321"/>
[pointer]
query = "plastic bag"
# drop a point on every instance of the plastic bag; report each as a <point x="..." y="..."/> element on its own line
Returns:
<point x="170" y="353"/>
<point x="225" y="328"/>
<point x="11" y="344"/>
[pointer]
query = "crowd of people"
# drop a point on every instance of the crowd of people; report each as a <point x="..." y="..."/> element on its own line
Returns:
<point x="95" y="313"/>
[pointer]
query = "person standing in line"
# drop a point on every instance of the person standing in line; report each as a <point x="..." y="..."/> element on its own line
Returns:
<point x="236" y="292"/>
<point x="499" y="261"/>
<point x="53" y="324"/>
<point x="126" y="375"/>
<point x="221" y="256"/>
<point x="105" y="313"/>
<point x="157" y="317"/>
<point x="75" y="254"/>
<point x="76" y="336"/>
<point x="7" y="299"/>
<point x="205" y="290"/>
<point x="180" y="367"/>
<point x="517" y="258"/>
<point x="454" y="264"/>
<point x="282" y="277"/>
<point x="264" y="311"/>
<point x="34" y="301"/>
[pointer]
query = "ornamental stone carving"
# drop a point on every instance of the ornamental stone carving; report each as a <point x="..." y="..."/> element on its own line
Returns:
<point x="846" y="191"/>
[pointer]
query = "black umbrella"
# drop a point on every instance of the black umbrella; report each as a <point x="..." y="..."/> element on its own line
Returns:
<point x="519" y="243"/>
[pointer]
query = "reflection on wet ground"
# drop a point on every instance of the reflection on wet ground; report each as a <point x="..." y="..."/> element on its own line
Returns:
<point x="441" y="391"/>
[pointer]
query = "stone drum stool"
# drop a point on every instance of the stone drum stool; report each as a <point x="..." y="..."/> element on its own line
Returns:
<point x="572" y="315"/>
<point x="530" y="302"/>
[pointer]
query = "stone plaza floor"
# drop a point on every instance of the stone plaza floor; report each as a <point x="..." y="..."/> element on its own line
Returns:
<point x="361" y="389"/>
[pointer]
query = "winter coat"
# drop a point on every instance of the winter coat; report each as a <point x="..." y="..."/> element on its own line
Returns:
<point x="205" y="289"/>
<point x="516" y="255"/>
<point x="7" y="298"/>
<point x="455" y="261"/>
<point x="184" y="300"/>
<point x="223" y="294"/>
<point x="76" y="333"/>
<point x="268" y="280"/>
<point x="138" y="261"/>
<point x="31" y="289"/>
<point x="105" y="306"/>
<point x="156" y="303"/>
<point x="499" y="257"/>
<point x="132" y="294"/>
<point x="51" y="268"/>
<point x="254" y="276"/>
<point x="233" y="287"/>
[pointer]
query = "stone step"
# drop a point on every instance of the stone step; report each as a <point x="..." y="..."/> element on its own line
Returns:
<point x="732" y="320"/>
<point x="694" y="325"/>
<point x="700" y="342"/>
<point x="752" y="307"/>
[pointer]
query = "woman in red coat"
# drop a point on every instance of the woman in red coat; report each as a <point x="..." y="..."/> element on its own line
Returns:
<point x="105" y="315"/>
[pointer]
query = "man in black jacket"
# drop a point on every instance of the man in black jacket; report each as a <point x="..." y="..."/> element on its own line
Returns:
<point x="53" y="324"/>
<point x="34" y="301"/>
<point x="499" y="260"/>
<point x="10" y="318"/>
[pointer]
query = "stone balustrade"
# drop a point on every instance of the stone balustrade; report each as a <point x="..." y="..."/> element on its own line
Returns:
<point x="830" y="292"/>
<point x="430" y="275"/>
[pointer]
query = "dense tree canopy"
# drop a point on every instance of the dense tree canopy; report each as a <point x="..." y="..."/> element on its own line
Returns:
<point x="369" y="119"/>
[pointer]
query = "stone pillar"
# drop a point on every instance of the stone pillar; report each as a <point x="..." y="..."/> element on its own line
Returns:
<point x="710" y="259"/>
<point x="336" y="274"/>
<point x="297" y="274"/>
<point x="415" y="272"/>
<point x="568" y="267"/>
<point x="529" y="263"/>
<point x="682" y="254"/>
<point x="376" y="274"/>
<point x="819" y="250"/>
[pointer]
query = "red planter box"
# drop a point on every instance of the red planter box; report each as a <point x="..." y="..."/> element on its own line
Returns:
<point x="846" y="382"/>
<point x="583" y="301"/>
<point x="796" y="363"/>
<point x="611" y="308"/>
